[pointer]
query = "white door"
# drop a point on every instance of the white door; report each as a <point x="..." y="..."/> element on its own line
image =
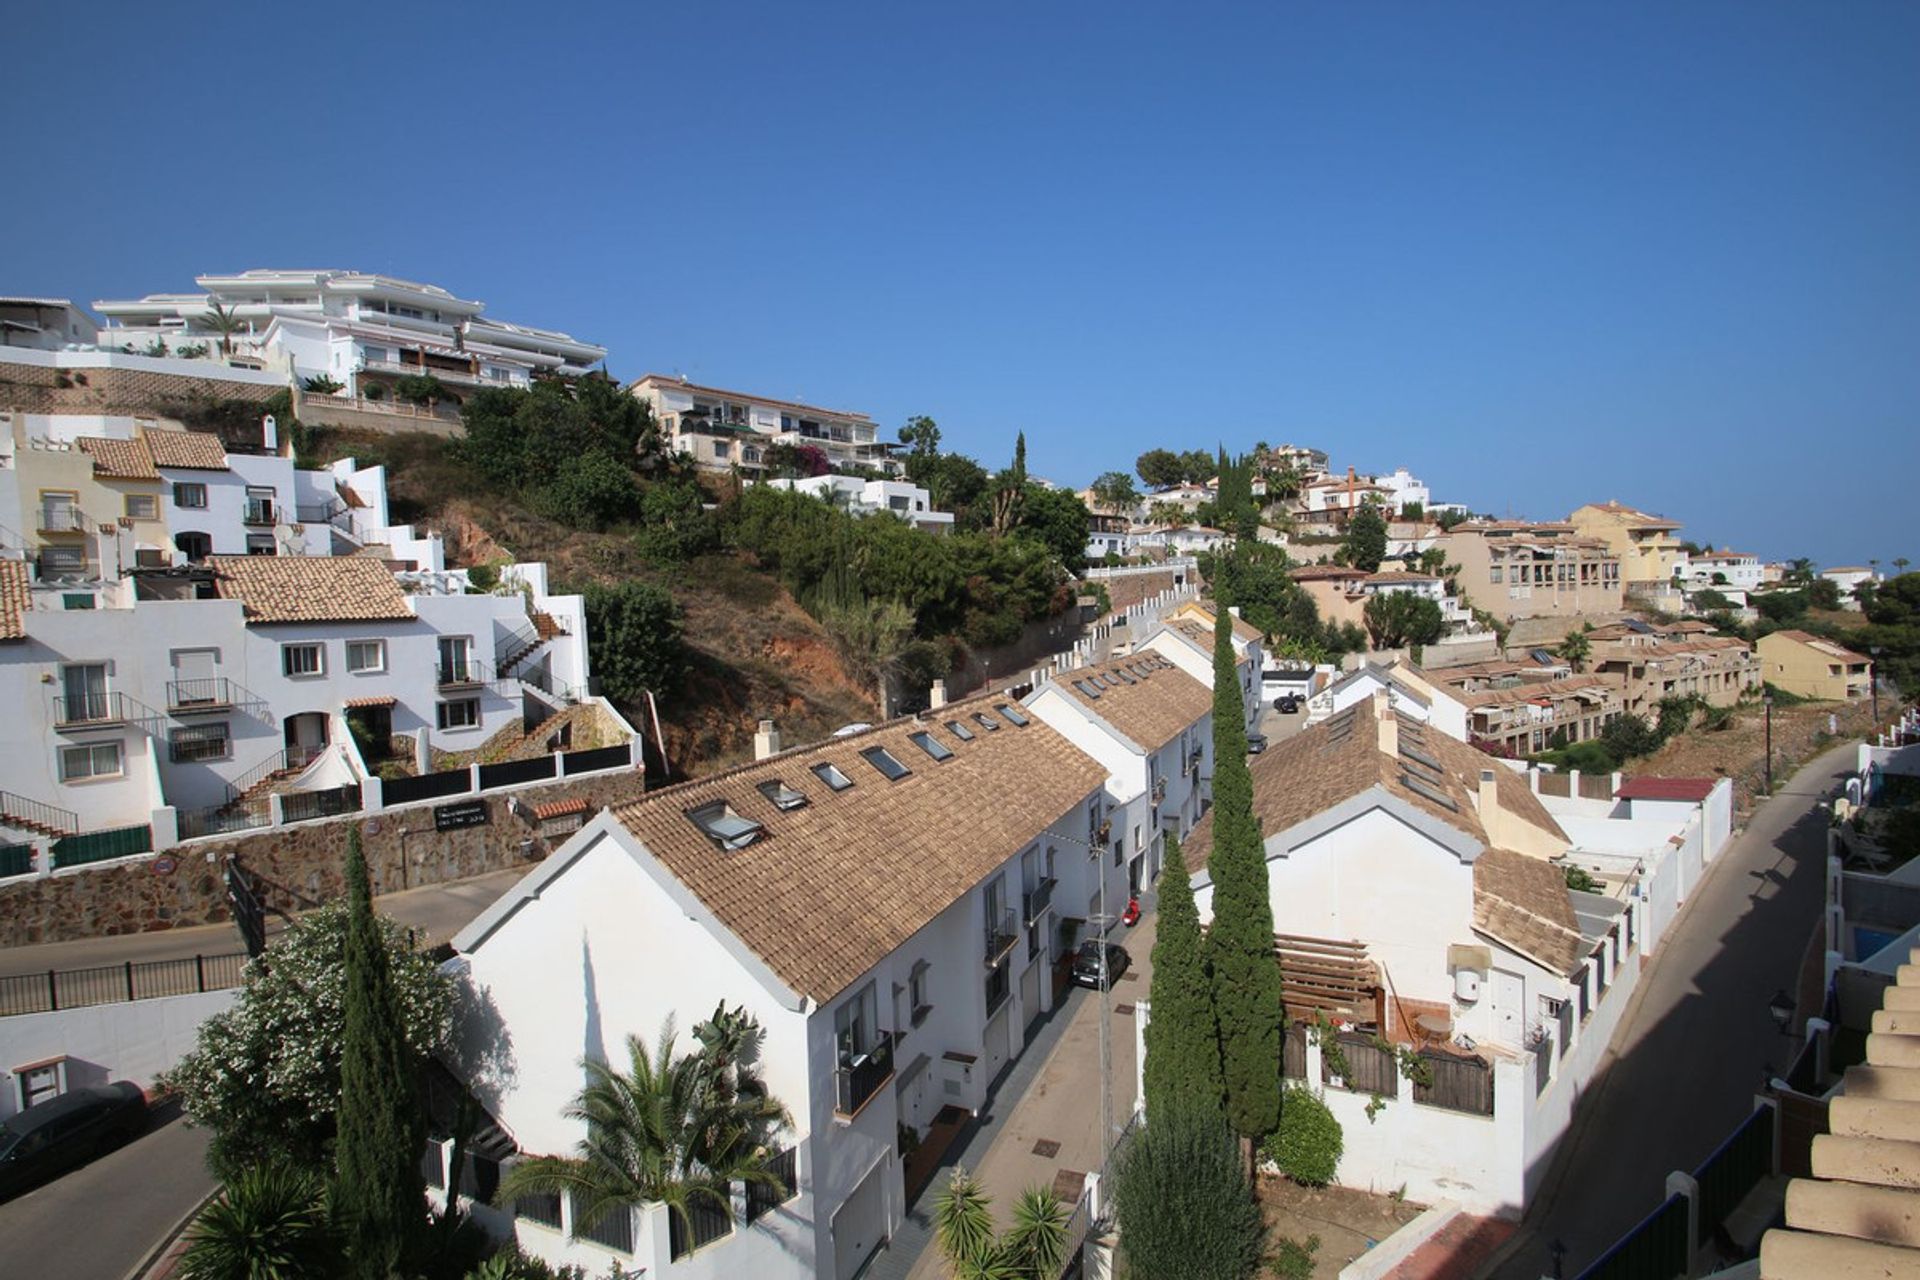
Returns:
<point x="1509" y="1009"/>
<point x="194" y="672"/>
<point x="995" y="1046"/>
<point x="860" y="1226"/>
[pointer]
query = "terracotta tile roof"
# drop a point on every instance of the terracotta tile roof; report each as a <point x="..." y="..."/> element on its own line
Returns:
<point x="1150" y="710"/>
<point x="1631" y="515"/>
<point x="1650" y="788"/>
<point x="831" y="888"/>
<point x="15" y="599"/>
<point x="560" y="808"/>
<point x="1522" y="903"/>
<point x="1324" y="572"/>
<point x="374" y="700"/>
<point x="310" y="588"/>
<point x="1535" y="691"/>
<point x="1401" y="575"/>
<point x="119" y="459"/>
<point x="669" y="382"/>
<point x="1855" y="1215"/>
<point x="186" y="450"/>
<point x="1242" y="630"/>
<point x="1818" y="645"/>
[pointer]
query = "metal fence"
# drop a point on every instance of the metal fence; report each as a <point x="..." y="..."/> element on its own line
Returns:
<point x="706" y="1222"/>
<point x="426" y="786"/>
<point x="597" y="758"/>
<point x="762" y="1199"/>
<point x="16" y="860"/>
<point x="508" y="773"/>
<point x="1734" y="1169"/>
<point x="614" y="1230"/>
<point x="1657" y="1249"/>
<point x="299" y="806"/>
<point x="99" y="846"/>
<point x="1542" y="1066"/>
<point x="58" y="989"/>
<point x="1459" y="1084"/>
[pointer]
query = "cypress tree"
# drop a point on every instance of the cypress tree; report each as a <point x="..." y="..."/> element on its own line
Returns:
<point x="379" y="1193"/>
<point x="1183" y="1041"/>
<point x="1240" y="957"/>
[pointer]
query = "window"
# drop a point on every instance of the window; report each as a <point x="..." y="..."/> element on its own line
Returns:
<point x="931" y="745"/>
<point x="854" y="1026"/>
<point x="194" y="546"/>
<point x="142" y="506"/>
<point x="919" y="997"/>
<point x="784" y="797"/>
<point x="96" y="760"/>
<point x="724" y="827"/>
<point x="456" y="666"/>
<point x="461" y="713"/>
<point x="1086" y="689"/>
<point x="959" y="731"/>
<point x="366" y="655"/>
<point x="260" y="544"/>
<point x="883" y="760"/>
<point x="538" y="1207"/>
<point x="303" y="660"/>
<point x="259" y="508"/>
<point x="1013" y="717"/>
<point x="62" y="560"/>
<point x="986" y="721"/>
<point x="200" y="742"/>
<point x="77" y="600"/>
<point x="832" y="776"/>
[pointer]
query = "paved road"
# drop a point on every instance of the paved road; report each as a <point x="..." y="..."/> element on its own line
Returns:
<point x="102" y="1220"/>
<point x="1688" y="1058"/>
<point x="436" y="911"/>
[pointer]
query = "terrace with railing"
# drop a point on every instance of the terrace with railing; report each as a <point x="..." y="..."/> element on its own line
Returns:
<point x="859" y="1077"/>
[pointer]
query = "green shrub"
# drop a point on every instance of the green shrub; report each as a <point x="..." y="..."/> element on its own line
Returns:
<point x="1579" y="881"/>
<point x="1293" y="1259"/>
<point x="483" y="577"/>
<point x="1308" y="1144"/>
<point x="589" y="491"/>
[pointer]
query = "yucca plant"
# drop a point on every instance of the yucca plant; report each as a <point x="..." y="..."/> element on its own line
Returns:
<point x="268" y="1223"/>
<point x="1034" y="1248"/>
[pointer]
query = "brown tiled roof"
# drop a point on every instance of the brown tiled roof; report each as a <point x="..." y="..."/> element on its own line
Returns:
<point x="187" y="450"/>
<point x="1856" y="1214"/>
<point x="560" y="808"/>
<point x="119" y="459"/>
<point x="15" y="599"/>
<point x="831" y="888"/>
<point x="1242" y="629"/>
<point x="1325" y="572"/>
<point x="1818" y="644"/>
<point x="1633" y="516"/>
<point x="1401" y="575"/>
<point x="374" y="700"/>
<point x="1533" y="691"/>
<point x="1522" y="903"/>
<point x="1153" y="709"/>
<point x="681" y="384"/>
<point x="310" y="588"/>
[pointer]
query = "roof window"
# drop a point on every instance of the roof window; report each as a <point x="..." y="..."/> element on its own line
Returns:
<point x="931" y="745"/>
<point x="884" y="760"/>
<point x="959" y="731"/>
<point x="724" y="827"/>
<point x="1013" y="717"/>
<point x="986" y="721"/>
<point x="1086" y="688"/>
<point x="1421" y="787"/>
<point x="784" y="797"/>
<point x="831" y="775"/>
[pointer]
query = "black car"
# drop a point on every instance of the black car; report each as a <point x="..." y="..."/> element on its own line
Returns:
<point x="1256" y="743"/>
<point x="1287" y="703"/>
<point x="1086" y="963"/>
<point x="62" y="1133"/>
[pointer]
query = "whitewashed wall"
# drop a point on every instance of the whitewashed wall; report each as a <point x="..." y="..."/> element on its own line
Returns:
<point x="137" y="1040"/>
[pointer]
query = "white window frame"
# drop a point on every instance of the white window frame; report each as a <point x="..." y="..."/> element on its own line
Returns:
<point x="442" y="722"/>
<point x="287" y="651"/>
<point x="377" y="667"/>
<point x="89" y="751"/>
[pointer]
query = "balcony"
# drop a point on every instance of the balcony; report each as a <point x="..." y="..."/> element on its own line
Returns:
<point x="51" y="570"/>
<point x="1001" y="935"/>
<point x="64" y="519"/>
<point x="188" y="697"/>
<point x="259" y="513"/>
<point x="462" y="673"/>
<point x="1038" y="899"/>
<point x="856" y="1080"/>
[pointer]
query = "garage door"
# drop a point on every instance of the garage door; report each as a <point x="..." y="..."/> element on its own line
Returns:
<point x="995" y="1046"/>
<point x="860" y="1226"/>
<point x="1030" y="995"/>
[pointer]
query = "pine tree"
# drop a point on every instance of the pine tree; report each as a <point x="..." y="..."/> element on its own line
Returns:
<point x="1183" y="1041"/>
<point x="379" y="1193"/>
<point x="1240" y="957"/>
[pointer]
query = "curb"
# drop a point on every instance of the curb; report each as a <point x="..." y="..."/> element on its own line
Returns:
<point x="148" y="1265"/>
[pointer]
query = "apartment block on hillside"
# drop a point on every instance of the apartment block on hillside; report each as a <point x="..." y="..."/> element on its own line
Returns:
<point x="44" y="324"/>
<point x="860" y="497"/>
<point x="1644" y="544"/>
<point x="1679" y="660"/>
<point x="1811" y="666"/>
<point x="729" y="430"/>
<point x="1521" y="569"/>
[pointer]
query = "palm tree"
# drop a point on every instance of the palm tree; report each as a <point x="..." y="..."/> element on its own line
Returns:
<point x="1576" y="648"/>
<point x="670" y="1130"/>
<point x="1900" y="564"/>
<point x="224" y="322"/>
<point x="269" y="1223"/>
<point x="1034" y="1248"/>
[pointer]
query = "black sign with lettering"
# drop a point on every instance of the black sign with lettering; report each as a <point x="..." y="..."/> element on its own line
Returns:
<point x="464" y="813"/>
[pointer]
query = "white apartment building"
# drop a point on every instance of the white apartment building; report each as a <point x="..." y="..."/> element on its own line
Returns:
<point x="1738" y="570"/>
<point x="1406" y="490"/>
<point x="861" y="497"/>
<point x="363" y="330"/>
<point x="44" y="324"/>
<point x="724" y="430"/>
<point x="888" y="906"/>
<point x="1849" y="578"/>
<point x="1410" y="690"/>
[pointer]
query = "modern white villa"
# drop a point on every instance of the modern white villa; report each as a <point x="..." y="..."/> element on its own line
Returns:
<point x="728" y="430"/>
<point x="862" y="497"/>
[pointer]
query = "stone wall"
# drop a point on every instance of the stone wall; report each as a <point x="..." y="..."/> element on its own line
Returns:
<point x="334" y="411"/>
<point x="297" y="867"/>
<point x="1126" y="592"/>
<point x="37" y="389"/>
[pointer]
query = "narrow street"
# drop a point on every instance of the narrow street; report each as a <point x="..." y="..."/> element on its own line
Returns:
<point x="1698" y="1042"/>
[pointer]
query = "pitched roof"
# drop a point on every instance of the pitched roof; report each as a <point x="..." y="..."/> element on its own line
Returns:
<point x="1631" y="515"/>
<point x="1324" y="572"/>
<point x="119" y="459"/>
<point x="186" y="450"/>
<point x="1854" y="1216"/>
<point x="1536" y="691"/>
<point x="1651" y="788"/>
<point x="15" y="599"/>
<point x="1818" y="644"/>
<point x="681" y="384"/>
<point x="310" y="588"/>
<point x="829" y="889"/>
<point x="1522" y="903"/>
<point x="1149" y="709"/>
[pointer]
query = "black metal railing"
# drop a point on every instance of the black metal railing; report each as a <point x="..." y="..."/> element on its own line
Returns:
<point x="55" y="989"/>
<point x="464" y="672"/>
<point x="1804" y="1075"/>
<point x="62" y="520"/>
<point x="101" y="846"/>
<point x="1370" y="1069"/>
<point x="540" y="1207"/>
<point x="763" y="1199"/>
<point x="594" y="758"/>
<point x="1039" y="898"/>
<point x="50" y="819"/>
<point x="520" y="640"/>
<point x="509" y="773"/>
<point x="856" y="1080"/>
<point x="302" y="806"/>
<point x="220" y="819"/>
<point x="1656" y="1249"/>
<point x="214" y="693"/>
<point x="614" y="1229"/>
<point x="426" y="786"/>
<point x="1735" y="1168"/>
<point x="1001" y="935"/>
<point x="1542" y="1066"/>
<point x="705" y="1221"/>
<point x="259" y="512"/>
<point x="15" y="860"/>
<point x="101" y="707"/>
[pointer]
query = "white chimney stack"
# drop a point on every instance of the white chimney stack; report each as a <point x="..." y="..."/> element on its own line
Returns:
<point x="1489" y="800"/>
<point x="766" y="741"/>
<point x="1389" y="723"/>
<point x="938" y="697"/>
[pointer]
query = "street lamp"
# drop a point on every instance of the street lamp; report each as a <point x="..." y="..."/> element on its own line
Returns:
<point x="1767" y="700"/>
<point x="1781" y="1009"/>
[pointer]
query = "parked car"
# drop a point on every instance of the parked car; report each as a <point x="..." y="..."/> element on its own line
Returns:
<point x="51" y="1137"/>
<point x="1086" y="963"/>
<point x="1256" y="743"/>
<point x="1287" y="703"/>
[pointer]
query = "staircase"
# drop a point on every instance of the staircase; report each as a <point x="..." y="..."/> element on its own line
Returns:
<point x="524" y="640"/>
<point x="41" y="819"/>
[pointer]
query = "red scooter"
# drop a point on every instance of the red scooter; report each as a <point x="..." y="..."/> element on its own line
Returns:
<point x="1131" y="916"/>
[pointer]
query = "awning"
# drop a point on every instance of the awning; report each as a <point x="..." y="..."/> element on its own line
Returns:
<point x="381" y="700"/>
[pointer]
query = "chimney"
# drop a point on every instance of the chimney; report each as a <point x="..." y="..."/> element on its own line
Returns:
<point x="766" y="741"/>
<point x="1389" y="724"/>
<point x="1489" y="800"/>
<point x="937" y="697"/>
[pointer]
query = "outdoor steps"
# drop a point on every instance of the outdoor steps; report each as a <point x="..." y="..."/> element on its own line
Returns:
<point x="1857" y="1117"/>
<point x="1897" y="1022"/>
<point x="1879" y="1161"/>
<point x="1837" y="1258"/>
<point x="1866" y="1213"/>
<point x="1902" y="1000"/>
<point x="1873" y="1082"/>
<point x="1885" y="1050"/>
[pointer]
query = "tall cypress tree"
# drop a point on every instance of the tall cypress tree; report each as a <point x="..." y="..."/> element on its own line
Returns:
<point x="1240" y="956"/>
<point x="379" y="1193"/>
<point x="1183" y="1041"/>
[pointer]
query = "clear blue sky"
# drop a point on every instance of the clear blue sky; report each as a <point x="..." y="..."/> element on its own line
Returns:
<point x="1539" y="253"/>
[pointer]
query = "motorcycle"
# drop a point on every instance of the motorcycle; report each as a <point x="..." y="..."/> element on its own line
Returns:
<point x="1131" y="916"/>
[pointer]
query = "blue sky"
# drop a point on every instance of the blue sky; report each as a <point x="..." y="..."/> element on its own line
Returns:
<point x="1539" y="253"/>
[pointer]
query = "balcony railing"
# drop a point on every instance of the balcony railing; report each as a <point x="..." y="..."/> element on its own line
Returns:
<point x="1039" y="898"/>
<point x="463" y="672"/>
<point x="1001" y="935"/>
<point x="259" y="513"/>
<point x="104" y="707"/>
<point x="50" y="569"/>
<point x="62" y="520"/>
<point x="213" y="694"/>
<point x="859" y="1078"/>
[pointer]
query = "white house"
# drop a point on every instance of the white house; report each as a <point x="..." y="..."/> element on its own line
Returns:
<point x="1849" y="577"/>
<point x="1404" y="490"/>
<point x="724" y="430"/>
<point x="887" y="905"/>
<point x="44" y="324"/>
<point x="1412" y="694"/>
<point x="1736" y="571"/>
<point x="1185" y="638"/>
<point x="862" y="497"/>
<point x="363" y="330"/>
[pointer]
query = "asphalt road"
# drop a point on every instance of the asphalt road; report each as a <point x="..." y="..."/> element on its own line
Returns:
<point x="1696" y="1047"/>
<point x="103" y="1219"/>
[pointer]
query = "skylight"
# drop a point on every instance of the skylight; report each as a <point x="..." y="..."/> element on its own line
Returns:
<point x="1421" y="787"/>
<point x="1013" y="717"/>
<point x="724" y="827"/>
<point x="959" y="731"/>
<point x="831" y="775"/>
<point x="784" y="797"/>
<point x="1083" y="687"/>
<point x="882" y="759"/>
<point x="931" y="745"/>
<point x="986" y="721"/>
<point x="1414" y="753"/>
<point x="1124" y="677"/>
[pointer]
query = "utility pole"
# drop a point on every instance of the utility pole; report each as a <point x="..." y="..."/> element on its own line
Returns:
<point x="1767" y="700"/>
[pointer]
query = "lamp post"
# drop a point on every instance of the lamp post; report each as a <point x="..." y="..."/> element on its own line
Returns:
<point x="1767" y="701"/>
